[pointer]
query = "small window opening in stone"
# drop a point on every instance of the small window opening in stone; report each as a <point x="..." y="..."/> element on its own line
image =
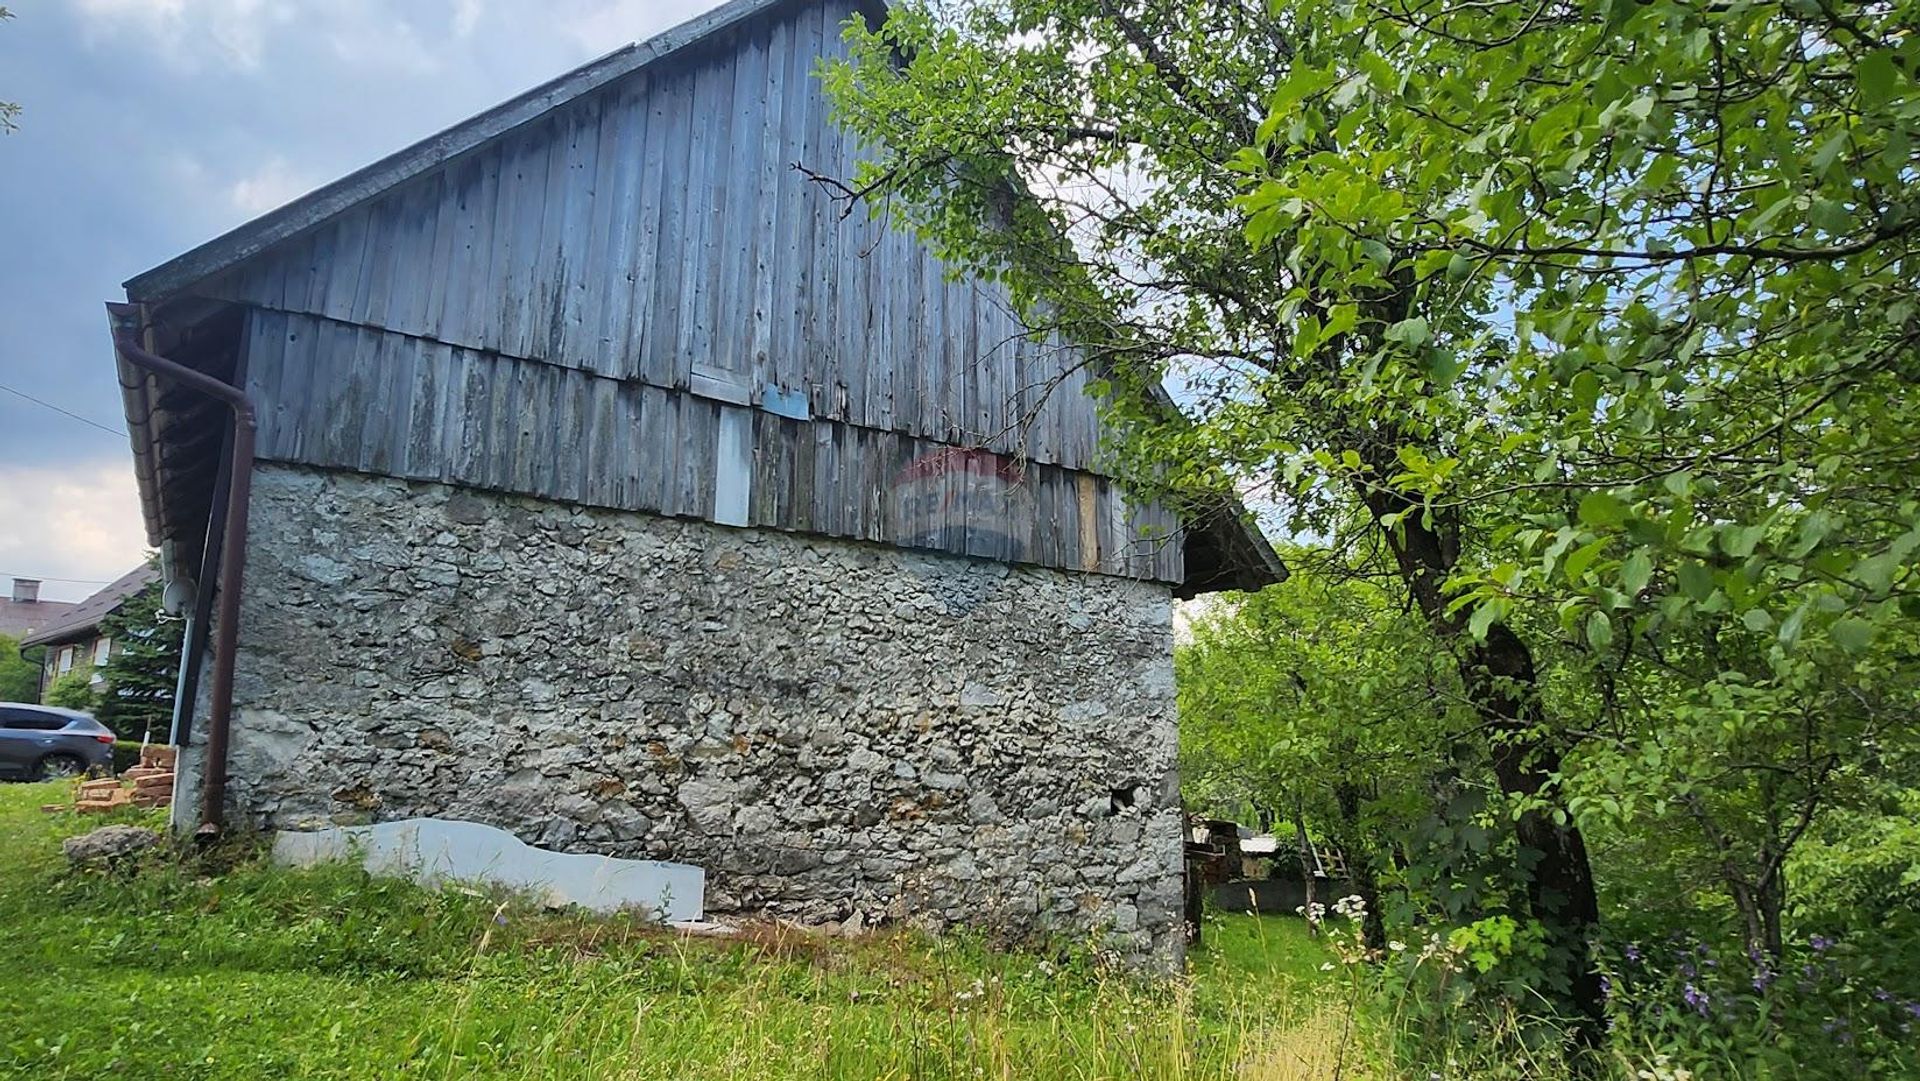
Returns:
<point x="1122" y="798"/>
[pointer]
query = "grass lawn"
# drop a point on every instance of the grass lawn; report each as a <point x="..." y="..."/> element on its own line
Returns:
<point x="183" y="971"/>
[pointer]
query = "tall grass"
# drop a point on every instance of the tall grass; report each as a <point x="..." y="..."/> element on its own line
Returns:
<point x="220" y="966"/>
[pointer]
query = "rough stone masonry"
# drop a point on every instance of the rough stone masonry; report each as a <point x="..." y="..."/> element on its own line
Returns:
<point x="834" y="731"/>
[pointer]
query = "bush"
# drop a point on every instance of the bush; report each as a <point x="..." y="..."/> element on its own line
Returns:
<point x="126" y="755"/>
<point x="19" y="672"/>
<point x="72" y="691"/>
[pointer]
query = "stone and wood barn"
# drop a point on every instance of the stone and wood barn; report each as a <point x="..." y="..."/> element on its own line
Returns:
<point x="610" y="488"/>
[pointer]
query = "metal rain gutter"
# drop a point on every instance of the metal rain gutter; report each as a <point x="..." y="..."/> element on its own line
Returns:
<point x="127" y="324"/>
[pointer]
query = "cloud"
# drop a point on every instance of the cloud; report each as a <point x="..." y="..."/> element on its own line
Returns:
<point x="236" y="29"/>
<point x="466" y="17"/>
<point x="603" y="27"/>
<point x="274" y="184"/>
<point x="80" y="522"/>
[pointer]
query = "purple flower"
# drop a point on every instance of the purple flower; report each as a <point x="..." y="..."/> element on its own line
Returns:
<point x="1606" y="987"/>
<point x="1820" y="943"/>
<point x="1695" y="998"/>
<point x="1911" y="1007"/>
<point x="1633" y="953"/>
<point x="1762" y="979"/>
<point x="1881" y="994"/>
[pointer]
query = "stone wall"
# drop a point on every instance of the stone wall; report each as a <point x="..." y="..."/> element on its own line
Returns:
<point x="835" y="731"/>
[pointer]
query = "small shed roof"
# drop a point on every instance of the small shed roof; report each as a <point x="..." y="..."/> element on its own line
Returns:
<point x="84" y="618"/>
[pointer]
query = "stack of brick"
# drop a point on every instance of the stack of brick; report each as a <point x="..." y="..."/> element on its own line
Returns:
<point x="153" y="777"/>
<point x="151" y="780"/>
<point x="103" y="795"/>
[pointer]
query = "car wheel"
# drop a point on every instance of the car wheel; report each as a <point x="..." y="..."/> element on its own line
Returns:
<point x="59" y="766"/>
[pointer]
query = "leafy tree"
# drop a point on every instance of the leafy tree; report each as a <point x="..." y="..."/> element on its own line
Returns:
<point x="9" y="110"/>
<point x="1139" y="127"/>
<point x="72" y="691"/>
<point x="140" y="673"/>
<point x="19" y="675"/>
<point x="1323" y="703"/>
<point x="1595" y="321"/>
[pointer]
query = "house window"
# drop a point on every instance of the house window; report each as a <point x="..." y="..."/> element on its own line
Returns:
<point x="66" y="659"/>
<point x="100" y="651"/>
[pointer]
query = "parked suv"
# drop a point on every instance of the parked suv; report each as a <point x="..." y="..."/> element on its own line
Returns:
<point x="39" y="743"/>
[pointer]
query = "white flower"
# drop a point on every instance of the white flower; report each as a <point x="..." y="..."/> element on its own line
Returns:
<point x="1397" y="946"/>
<point x="1326" y="966"/>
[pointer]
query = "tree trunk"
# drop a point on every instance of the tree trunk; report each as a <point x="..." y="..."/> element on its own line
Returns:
<point x="1306" y="860"/>
<point x="1360" y="876"/>
<point x="1502" y="683"/>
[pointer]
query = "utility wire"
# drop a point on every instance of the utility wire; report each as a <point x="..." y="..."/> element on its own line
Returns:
<point x="46" y="578"/>
<point x="63" y="412"/>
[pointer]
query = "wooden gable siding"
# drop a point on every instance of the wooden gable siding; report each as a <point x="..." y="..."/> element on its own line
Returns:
<point x="655" y="230"/>
<point x="337" y="395"/>
<point x="634" y="302"/>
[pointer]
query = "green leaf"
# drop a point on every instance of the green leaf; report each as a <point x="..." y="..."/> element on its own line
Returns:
<point x="1696" y="581"/>
<point x="1740" y="541"/>
<point x="1586" y="392"/>
<point x="1852" y="634"/>
<point x="1489" y="612"/>
<point x="1790" y="626"/>
<point x="1636" y="572"/>
<point x="1602" y="511"/>
<point x="1599" y="631"/>
<point x="1582" y="558"/>
<point x="1411" y="332"/>
<point x="1876" y="76"/>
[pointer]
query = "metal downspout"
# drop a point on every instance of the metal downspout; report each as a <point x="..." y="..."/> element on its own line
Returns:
<point x="126" y="323"/>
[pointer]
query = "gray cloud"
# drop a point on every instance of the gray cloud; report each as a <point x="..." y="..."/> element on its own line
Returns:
<point x="152" y="126"/>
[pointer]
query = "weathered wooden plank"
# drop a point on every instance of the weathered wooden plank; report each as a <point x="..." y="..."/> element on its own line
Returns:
<point x="428" y="402"/>
<point x="579" y="275"/>
<point x="738" y="179"/>
<point x="266" y="379"/>
<point x="706" y="189"/>
<point x="733" y="466"/>
<point x="471" y="192"/>
<point x="546" y="317"/>
<point x="409" y="293"/>
<point x="1087" y="532"/>
<point x="605" y="239"/>
<point x="649" y="337"/>
<point x="523" y="194"/>
<point x="602" y="471"/>
<point x="699" y="439"/>
<point x="633" y="449"/>
<point x="389" y="413"/>
<point x="678" y="237"/>
<point x="658" y="440"/>
<point x="829" y="450"/>
<point x="773" y="267"/>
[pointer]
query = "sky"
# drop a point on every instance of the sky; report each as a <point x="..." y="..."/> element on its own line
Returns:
<point x="151" y="126"/>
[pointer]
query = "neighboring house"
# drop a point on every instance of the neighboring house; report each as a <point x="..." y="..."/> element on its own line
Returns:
<point x="612" y="490"/>
<point x="23" y="612"/>
<point x="74" y="640"/>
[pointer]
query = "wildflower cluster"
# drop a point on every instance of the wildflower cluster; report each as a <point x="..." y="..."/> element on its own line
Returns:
<point x="1820" y="993"/>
